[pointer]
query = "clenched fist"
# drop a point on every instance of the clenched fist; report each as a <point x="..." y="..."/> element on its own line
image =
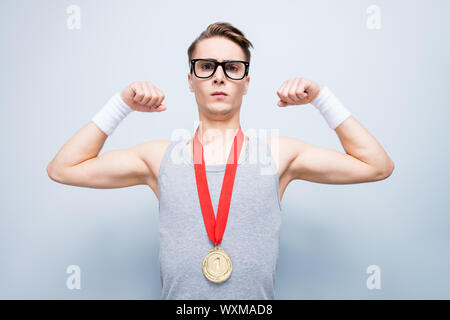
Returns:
<point x="143" y="96"/>
<point x="296" y="91"/>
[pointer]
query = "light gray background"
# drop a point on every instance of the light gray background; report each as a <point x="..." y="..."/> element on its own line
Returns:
<point x="394" y="80"/>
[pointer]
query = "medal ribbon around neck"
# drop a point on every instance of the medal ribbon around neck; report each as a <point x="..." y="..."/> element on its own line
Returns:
<point x="216" y="227"/>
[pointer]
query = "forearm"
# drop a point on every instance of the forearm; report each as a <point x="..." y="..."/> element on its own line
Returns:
<point x="83" y="145"/>
<point x="360" y="144"/>
<point x="89" y="140"/>
<point x="355" y="139"/>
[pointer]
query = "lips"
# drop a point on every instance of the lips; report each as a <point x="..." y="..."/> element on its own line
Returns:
<point x="219" y="93"/>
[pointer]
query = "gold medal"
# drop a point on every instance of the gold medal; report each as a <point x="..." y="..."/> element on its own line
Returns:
<point x="217" y="265"/>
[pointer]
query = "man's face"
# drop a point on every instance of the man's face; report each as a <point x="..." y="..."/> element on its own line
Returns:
<point x="221" y="49"/>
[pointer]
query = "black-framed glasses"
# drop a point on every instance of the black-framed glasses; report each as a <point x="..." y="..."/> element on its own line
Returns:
<point x="233" y="69"/>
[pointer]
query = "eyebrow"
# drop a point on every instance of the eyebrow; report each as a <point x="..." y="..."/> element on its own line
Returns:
<point x="223" y="60"/>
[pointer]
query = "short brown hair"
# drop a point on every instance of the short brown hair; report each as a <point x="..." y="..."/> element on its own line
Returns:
<point x="222" y="29"/>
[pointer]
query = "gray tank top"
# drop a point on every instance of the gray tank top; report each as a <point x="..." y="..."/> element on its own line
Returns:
<point x="251" y="236"/>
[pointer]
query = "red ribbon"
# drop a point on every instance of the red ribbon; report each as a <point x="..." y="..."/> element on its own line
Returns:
<point x="216" y="227"/>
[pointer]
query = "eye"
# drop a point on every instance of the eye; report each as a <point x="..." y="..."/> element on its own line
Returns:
<point x="206" y="66"/>
<point x="233" y="67"/>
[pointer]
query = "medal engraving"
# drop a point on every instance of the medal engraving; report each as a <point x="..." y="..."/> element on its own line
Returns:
<point x="217" y="265"/>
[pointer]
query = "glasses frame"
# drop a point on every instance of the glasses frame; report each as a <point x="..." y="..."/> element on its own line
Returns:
<point x="217" y="64"/>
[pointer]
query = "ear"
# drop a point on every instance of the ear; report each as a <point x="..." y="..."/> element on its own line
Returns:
<point x="190" y="82"/>
<point x="245" y="87"/>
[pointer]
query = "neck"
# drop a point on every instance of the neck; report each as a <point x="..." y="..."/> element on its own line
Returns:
<point x="217" y="133"/>
<point x="216" y="137"/>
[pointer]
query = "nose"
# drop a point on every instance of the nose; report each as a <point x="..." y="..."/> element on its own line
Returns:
<point x="219" y="74"/>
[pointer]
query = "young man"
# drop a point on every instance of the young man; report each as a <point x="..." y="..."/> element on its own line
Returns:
<point x="215" y="185"/>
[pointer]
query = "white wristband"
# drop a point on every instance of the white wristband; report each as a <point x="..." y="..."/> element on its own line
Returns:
<point x="331" y="108"/>
<point x="112" y="113"/>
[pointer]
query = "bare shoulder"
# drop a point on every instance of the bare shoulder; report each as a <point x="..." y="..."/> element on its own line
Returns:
<point x="152" y="152"/>
<point x="284" y="150"/>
